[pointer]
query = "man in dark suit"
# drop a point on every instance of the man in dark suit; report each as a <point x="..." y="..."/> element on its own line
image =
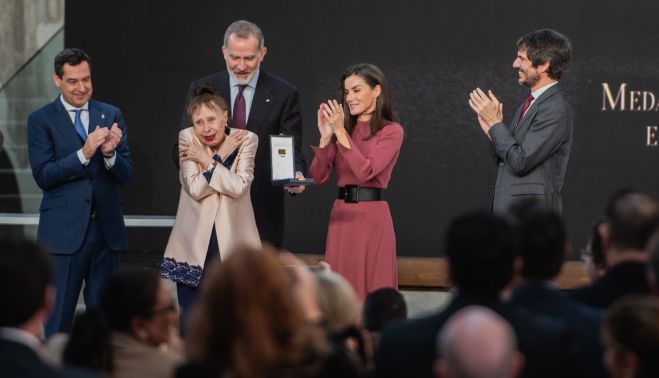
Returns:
<point x="266" y="105"/>
<point x="480" y="255"/>
<point x="532" y="152"/>
<point x="543" y="247"/>
<point x="632" y="216"/>
<point x="28" y="296"/>
<point x="79" y="156"/>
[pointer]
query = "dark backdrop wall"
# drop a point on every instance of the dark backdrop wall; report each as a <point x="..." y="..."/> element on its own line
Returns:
<point x="145" y="53"/>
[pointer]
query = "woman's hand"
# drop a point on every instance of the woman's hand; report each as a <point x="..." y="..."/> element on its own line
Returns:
<point x="194" y="152"/>
<point x="333" y="111"/>
<point x="324" y="127"/>
<point x="231" y="143"/>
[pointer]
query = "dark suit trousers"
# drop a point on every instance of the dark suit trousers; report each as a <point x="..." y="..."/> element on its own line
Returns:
<point x="93" y="263"/>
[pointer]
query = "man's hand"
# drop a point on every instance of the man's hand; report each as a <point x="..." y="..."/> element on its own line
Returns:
<point x="296" y="189"/>
<point x="94" y="140"/>
<point x="112" y="140"/>
<point x="487" y="107"/>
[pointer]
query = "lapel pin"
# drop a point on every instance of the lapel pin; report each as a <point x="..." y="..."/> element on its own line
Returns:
<point x="102" y="115"/>
<point x="267" y="100"/>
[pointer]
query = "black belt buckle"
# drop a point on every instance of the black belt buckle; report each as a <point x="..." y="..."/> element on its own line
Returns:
<point x="352" y="194"/>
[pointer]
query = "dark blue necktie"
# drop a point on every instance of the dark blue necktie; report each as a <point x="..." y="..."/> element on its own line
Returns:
<point x="80" y="128"/>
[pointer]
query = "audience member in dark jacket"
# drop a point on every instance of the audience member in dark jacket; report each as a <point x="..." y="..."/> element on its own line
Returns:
<point x="632" y="217"/>
<point x="28" y="294"/>
<point x="543" y="248"/>
<point x="480" y="250"/>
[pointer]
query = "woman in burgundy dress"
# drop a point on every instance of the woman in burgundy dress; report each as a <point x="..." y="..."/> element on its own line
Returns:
<point x="359" y="138"/>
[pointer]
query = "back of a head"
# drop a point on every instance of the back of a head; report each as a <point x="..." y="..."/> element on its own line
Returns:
<point x="477" y="343"/>
<point x="381" y="306"/>
<point x="337" y="301"/>
<point x="25" y="273"/>
<point x="632" y="218"/>
<point x="542" y="240"/>
<point x="480" y="247"/>
<point x="631" y="325"/>
<point x="247" y="320"/>
<point x="127" y="295"/>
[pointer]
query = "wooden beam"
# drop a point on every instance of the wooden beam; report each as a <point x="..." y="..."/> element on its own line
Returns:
<point x="429" y="273"/>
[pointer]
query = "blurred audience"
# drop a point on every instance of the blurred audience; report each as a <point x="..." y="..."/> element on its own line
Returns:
<point x="478" y="343"/>
<point x="28" y="295"/>
<point x="631" y="337"/>
<point x="653" y="266"/>
<point x="543" y="247"/>
<point x="380" y="307"/>
<point x="249" y="325"/>
<point x="632" y="216"/>
<point x="480" y="251"/>
<point x="593" y="255"/>
<point x="135" y="333"/>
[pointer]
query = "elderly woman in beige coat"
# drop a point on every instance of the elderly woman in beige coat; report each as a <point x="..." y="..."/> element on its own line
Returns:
<point x="214" y="216"/>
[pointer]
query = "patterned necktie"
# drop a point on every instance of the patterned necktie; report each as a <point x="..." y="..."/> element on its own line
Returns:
<point x="527" y="103"/>
<point x="80" y="128"/>
<point x="240" y="109"/>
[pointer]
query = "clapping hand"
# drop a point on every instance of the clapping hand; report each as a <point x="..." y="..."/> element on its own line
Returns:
<point x="112" y="139"/>
<point x="487" y="107"/>
<point x="94" y="140"/>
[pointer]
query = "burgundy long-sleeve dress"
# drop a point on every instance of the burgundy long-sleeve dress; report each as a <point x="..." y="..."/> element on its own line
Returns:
<point x="361" y="244"/>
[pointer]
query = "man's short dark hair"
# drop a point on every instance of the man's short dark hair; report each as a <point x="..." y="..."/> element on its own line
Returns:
<point x="381" y="306"/>
<point x="480" y="247"/>
<point x="71" y="56"/>
<point x="547" y="45"/>
<point x="542" y="240"/>
<point x="25" y="273"/>
<point x="128" y="294"/>
<point x="632" y="217"/>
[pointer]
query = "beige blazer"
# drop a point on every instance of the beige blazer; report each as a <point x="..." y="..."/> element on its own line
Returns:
<point x="134" y="359"/>
<point x="224" y="201"/>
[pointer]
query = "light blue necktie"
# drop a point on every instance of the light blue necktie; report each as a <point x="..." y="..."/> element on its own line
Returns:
<point x="80" y="128"/>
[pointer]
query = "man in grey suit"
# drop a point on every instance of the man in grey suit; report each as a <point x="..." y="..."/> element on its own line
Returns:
<point x="533" y="151"/>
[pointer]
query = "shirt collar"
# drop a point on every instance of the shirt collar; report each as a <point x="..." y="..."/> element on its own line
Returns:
<point x="251" y="83"/>
<point x="70" y="107"/>
<point x="20" y="336"/>
<point x="538" y="92"/>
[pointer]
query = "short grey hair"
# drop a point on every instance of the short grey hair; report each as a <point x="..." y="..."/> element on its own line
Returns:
<point x="243" y="29"/>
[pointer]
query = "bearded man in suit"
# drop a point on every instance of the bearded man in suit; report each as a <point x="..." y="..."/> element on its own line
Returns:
<point x="531" y="152"/>
<point x="265" y="105"/>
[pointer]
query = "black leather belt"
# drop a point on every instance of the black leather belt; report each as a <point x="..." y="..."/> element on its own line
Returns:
<point x="354" y="194"/>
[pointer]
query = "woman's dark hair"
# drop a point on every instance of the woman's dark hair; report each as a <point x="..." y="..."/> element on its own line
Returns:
<point x="127" y="295"/>
<point x="89" y="343"/>
<point x="208" y="96"/>
<point x="384" y="112"/>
